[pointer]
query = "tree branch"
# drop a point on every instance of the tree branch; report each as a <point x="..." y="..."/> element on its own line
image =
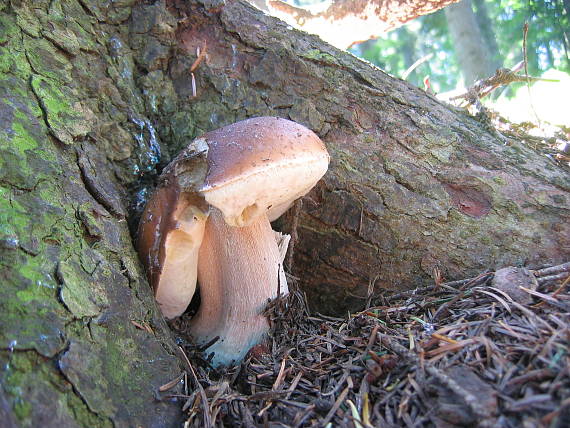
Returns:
<point x="345" y="22"/>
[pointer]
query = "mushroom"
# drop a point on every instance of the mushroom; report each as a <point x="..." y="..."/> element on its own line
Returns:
<point x="210" y="219"/>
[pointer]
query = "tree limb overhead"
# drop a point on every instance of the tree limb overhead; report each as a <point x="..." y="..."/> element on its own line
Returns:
<point x="345" y="22"/>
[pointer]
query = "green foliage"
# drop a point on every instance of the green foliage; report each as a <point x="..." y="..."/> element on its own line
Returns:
<point x="548" y="34"/>
<point x="547" y="42"/>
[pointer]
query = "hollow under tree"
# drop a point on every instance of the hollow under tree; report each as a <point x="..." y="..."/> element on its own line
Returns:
<point x="97" y="96"/>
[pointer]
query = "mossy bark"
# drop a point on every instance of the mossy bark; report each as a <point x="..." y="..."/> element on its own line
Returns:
<point x="72" y="290"/>
<point x="96" y="96"/>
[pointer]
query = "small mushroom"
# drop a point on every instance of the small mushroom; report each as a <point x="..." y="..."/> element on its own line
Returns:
<point x="209" y="219"/>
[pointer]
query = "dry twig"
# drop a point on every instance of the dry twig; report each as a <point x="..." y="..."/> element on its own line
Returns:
<point x="361" y="371"/>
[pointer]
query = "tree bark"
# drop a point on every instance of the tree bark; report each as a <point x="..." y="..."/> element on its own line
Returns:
<point x="346" y="22"/>
<point x="81" y="341"/>
<point x="96" y="96"/>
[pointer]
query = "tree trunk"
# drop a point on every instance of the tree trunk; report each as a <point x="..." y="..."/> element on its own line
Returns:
<point x="81" y="341"/>
<point x="485" y="25"/>
<point x="473" y="54"/>
<point x="95" y="96"/>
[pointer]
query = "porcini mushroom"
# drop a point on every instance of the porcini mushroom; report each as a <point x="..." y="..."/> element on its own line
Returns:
<point x="209" y="218"/>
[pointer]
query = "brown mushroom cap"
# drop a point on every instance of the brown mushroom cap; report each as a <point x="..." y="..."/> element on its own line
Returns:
<point x="247" y="170"/>
<point x="169" y="238"/>
<point x="260" y="166"/>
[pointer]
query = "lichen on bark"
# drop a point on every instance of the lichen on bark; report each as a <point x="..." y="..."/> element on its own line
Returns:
<point x="71" y="284"/>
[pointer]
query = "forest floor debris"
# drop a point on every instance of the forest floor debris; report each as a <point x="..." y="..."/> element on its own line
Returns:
<point x="476" y="352"/>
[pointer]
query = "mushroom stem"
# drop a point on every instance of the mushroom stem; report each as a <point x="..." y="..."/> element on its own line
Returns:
<point x="239" y="270"/>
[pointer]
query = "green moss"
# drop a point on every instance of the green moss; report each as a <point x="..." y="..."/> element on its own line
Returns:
<point x="345" y="161"/>
<point x="86" y="360"/>
<point x="442" y="154"/>
<point x="30" y="382"/>
<point x="83" y="416"/>
<point x="79" y="22"/>
<point x="51" y="96"/>
<point x="22" y="140"/>
<point x="17" y="369"/>
<point x="7" y="28"/>
<point x="211" y="115"/>
<point x="5" y="60"/>
<point x="27" y="21"/>
<point x="182" y="127"/>
<point x="22" y="409"/>
<point x="31" y="313"/>
<point x="47" y="61"/>
<point x="82" y="295"/>
<point x="119" y="350"/>
<point x="60" y="35"/>
<point x="12" y="55"/>
<point x="40" y="285"/>
<point x="64" y="119"/>
<point x="48" y="297"/>
<point x="499" y="180"/>
<point x="49" y="193"/>
<point x="34" y="271"/>
<point x="317" y="55"/>
<point x="6" y="212"/>
<point x="511" y="207"/>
